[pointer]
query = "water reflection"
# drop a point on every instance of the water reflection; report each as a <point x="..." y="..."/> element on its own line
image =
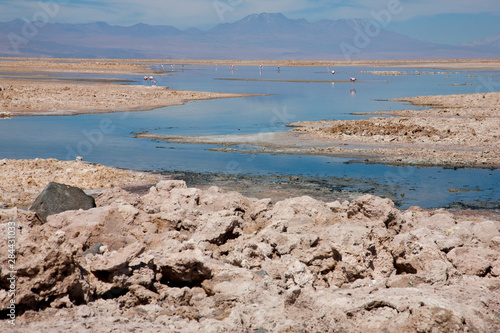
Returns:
<point x="300" y="94"/>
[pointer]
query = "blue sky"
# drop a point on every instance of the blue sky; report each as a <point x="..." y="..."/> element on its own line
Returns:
<point x="442" y="21"/>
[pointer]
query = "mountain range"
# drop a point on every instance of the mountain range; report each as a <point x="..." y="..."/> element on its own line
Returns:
<point x="257" y="36"/>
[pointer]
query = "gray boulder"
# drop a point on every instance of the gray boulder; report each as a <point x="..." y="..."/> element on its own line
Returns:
<point x="57" y="198"/>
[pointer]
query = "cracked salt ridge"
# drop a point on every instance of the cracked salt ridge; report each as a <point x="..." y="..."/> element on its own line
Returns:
<point x="200" y="260"/>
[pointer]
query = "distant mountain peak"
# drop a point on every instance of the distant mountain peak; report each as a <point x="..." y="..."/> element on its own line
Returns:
<point x="265" y="17"/>
<point x="256" y="36"/>
<point x="490" y="41"/>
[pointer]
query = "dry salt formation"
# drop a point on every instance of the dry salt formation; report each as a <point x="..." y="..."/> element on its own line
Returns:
<point x="181" y="259"/>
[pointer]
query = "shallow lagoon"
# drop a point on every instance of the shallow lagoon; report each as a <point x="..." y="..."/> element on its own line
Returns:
<point x="315" y="98"/>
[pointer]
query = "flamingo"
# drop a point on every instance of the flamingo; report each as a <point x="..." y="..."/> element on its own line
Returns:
<point x="333" y="72"/>
<point x="353" y="79"/>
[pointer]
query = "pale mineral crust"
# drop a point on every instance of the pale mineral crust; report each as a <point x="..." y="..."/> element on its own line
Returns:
<point x="41" y="98"/>
<point x="181" y="259"/>
<point x="460" y="130"/>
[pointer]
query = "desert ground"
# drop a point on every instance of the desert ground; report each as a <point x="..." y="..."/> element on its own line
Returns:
<point x="180" y="259"/>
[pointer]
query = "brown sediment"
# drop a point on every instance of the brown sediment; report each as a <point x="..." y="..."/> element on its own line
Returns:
<point x="29" y="98"/>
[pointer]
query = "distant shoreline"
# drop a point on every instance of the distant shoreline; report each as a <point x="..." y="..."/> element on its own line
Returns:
<point x="138" y="65"/>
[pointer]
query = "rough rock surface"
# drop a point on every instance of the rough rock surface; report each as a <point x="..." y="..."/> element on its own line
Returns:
<point x="181" y="259"/>
<point x="57" y="198"/>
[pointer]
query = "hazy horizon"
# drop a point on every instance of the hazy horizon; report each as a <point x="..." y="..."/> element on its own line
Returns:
<point x="449" y="22"/>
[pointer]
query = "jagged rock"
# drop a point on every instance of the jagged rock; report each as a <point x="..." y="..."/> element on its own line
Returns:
<point x="417" y="253"/>
<point x="301" y="211"/>
<point x="486" y="231"/>
<point x="192" y="260"/>
<point x="117" y="196"/>
<point x="187" y="267"/>
<point x="57" y="198"/>
<point x="16" y="214"/>
<point x="218" y="228"/>
<point x="438" y="220"/>
<point x="495" y="243"/>
<point x="116" y="260"/>
<point x="372" y="209"/>
<point x="298" y="274"/>
<point x="434" y="319"/>
<point x="46" y="269"/>
<point x="161" y="198"/>
<point x="106" y="225"/>
<point x="474" y="260"/>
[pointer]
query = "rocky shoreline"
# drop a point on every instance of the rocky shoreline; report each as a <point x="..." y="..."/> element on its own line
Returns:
<point x="189" y="260"/>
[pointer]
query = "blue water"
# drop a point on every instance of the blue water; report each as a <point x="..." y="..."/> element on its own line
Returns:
<point x="108" y="138"/>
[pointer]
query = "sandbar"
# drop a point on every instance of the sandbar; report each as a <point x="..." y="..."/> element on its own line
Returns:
<point x="44" y="98"/>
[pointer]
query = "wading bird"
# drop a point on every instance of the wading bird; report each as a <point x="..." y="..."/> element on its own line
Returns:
<point x="353" y="79"/>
